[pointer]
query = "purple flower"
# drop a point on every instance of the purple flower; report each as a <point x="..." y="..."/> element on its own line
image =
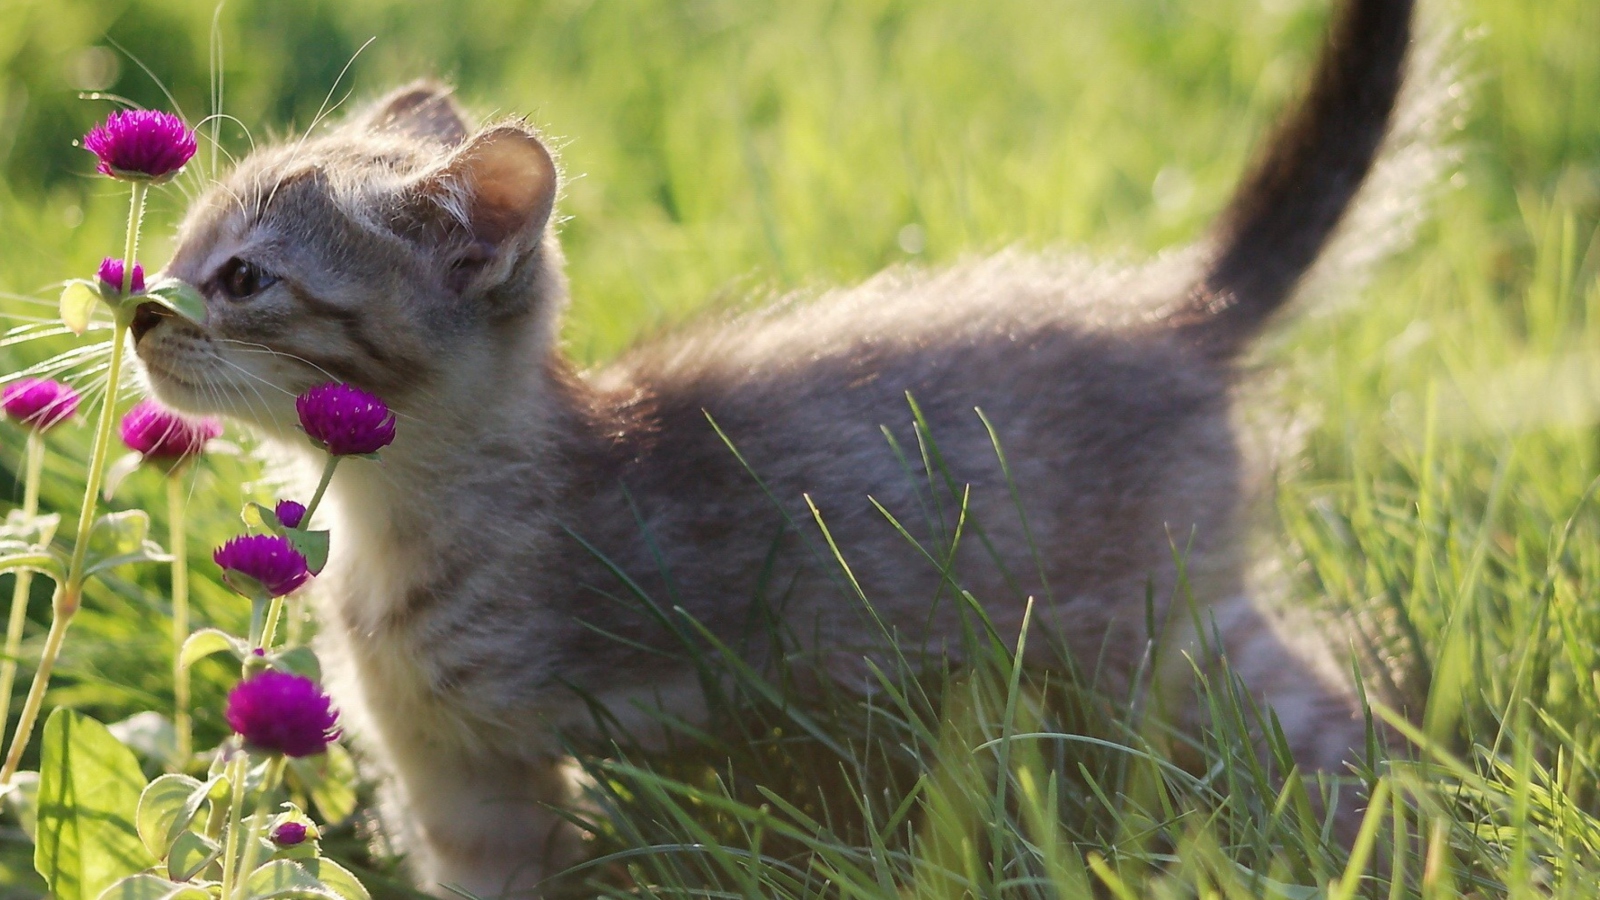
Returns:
<point x="111" y="273"/>
<point x="289" y="834"/>
<point x="283" y="713"/>
<point x="269" y="559"/>
<point x="39" y="402"/>
<point x="345" y="420"/>
<point x="140" y="143"/>
<point x="289" y="513"/>
<point x="159" y="433"/>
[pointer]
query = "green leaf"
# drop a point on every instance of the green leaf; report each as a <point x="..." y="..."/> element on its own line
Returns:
<point x="38" y="531"/>
<point x="330" y="779"/>
<point x="336" y="878"/>
<point x="164" y="812"/>
<point x="261" y="517"/>
<point x="78" y="300"/>
<point x="286" y="878"/>
<point x="120" y="538"/>
<point x="36" y="560"/>
<point x="22" y="800"/>
<point x="149" y="734"/>
<point x="300" y="660"/>
<point x="152" y="887"/>
<point x="180" y="297"/>
<point x="190" y="854"/>
<point x="119" y="532"/>
<point x="247" y="587"/>
<point x="313" y="545"/>
<point x="89" y="786"/>
<point x="207" y="641"/>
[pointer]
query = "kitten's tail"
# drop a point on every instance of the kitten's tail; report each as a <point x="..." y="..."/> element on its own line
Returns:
<point x="1291" y="201"/>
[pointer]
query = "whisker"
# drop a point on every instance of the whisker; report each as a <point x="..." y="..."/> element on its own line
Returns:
<point x="61" y="362"/>
<point x="251" y="347"/>
<point x="265" y="406"/>
<point x="321" y="111"/>
<point x="160" y="85"/>
<point x="215" y="51"/>
<point x="45" y="329"/>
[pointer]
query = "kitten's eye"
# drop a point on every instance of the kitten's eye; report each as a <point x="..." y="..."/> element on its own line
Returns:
<point x="239" y="279"/>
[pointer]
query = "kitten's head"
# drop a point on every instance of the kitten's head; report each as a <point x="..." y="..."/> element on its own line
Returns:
<point x="402" y="252"/>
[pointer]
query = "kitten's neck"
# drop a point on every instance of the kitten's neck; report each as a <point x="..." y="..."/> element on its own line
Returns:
<point x="462" y="455"/>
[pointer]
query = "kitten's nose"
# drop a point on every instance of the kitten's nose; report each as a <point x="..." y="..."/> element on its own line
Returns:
<point x="146" y="317"/>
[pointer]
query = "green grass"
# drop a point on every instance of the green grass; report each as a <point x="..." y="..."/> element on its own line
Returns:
<point x="1440" y="495"/>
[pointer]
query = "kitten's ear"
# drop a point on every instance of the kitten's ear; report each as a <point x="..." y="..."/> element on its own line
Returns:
<point x="499" y="187"/>
<point x="423" y="109"/>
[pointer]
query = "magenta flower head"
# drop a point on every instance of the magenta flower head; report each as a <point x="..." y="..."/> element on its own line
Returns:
<point x="283" y="713"/>
<point x="39" y="402"/>
<point x="289" y="513"/>
<point x="158" y="433"/>
<point x="140" y="144"/>
<point x="289" y="834"/>
<point x="111" y="272"/>
<point x="268" y="560"/>
<point x="345" y="420"/>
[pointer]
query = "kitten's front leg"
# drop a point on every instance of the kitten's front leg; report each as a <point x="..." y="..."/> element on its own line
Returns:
<point x="483" y="823"/>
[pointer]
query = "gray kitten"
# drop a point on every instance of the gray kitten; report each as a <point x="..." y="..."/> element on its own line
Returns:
<point x="409" y="253"/>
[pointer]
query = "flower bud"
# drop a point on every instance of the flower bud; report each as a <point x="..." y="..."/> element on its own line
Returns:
<point x="283" y="713"/>
<point x="345" y="420"/>
<point x="140" y="144"/>
<point x="158" y="433"/>
<point x="39" y="402"/>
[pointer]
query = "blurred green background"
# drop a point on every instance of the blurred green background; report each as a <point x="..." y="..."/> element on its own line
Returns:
<point x="720" y="151"/>
<point x="715" y="146"/>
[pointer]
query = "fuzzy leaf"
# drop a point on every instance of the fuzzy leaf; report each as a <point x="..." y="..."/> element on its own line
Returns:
<point x="300" y="660"/>
<point x="38" y="531"/>
<point x="207" y="641"/>
<point x="163" y="812"/>
<point x="336" y="878"/>
<point x="285" y="878"/>
<point x="261" y="517"/>
<point x="247" y="587"/>
<point x="149" y="734"/>
<point x="120" y="538"/>
<point x="313" y="545"/>
<point x="148" y="553"/>
<point x="35" y="560"/>
<point x="178" y="296"/>
<point x="330" y="779"/>
<point x="152" y="887"/>
<point x="191" y="853"/>
<point x="89" y="786"/>
<point x="78" y="300"/>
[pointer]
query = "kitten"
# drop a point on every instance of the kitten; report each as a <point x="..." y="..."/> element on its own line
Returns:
<point x="411" y="253"/>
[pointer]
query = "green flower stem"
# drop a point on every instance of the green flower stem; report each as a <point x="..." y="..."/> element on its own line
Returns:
<point x="69" y="596"/>
<point x="238" y="769"/>
<point x="274" y="612"/>
<point x="322" y="488"/>
<point x="177" y="510"/>
<point x="19" y="593"/>
<point x="252" y="840"/>
<point x="275" y="609"/>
